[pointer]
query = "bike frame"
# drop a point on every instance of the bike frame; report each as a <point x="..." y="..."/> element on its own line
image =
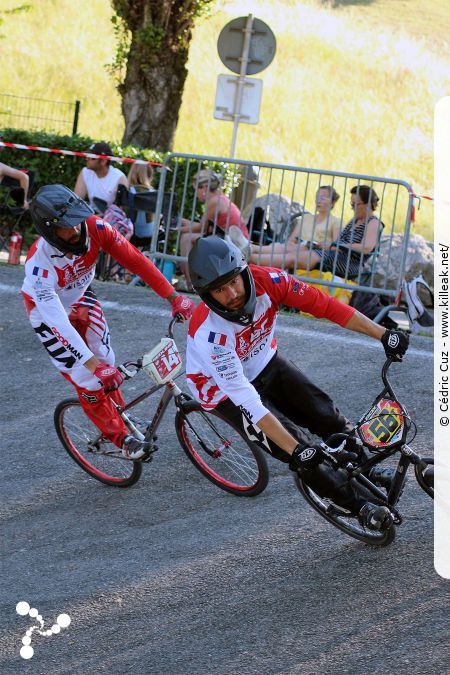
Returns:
<point x="171" y="390"/>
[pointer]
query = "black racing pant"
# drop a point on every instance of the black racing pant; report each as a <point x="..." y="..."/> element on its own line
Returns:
<point x="298" y="404"/>
<point x="293" y="399"/>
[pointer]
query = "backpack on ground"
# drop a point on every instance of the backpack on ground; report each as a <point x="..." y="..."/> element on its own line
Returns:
<point x="414" y="305"/>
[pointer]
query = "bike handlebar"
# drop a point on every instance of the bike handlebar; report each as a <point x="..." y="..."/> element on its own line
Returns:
<point x="176" y="319"/>
<point x="384" y="375"/>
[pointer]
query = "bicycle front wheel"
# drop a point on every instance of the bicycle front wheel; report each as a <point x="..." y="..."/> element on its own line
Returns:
<point x="343" y="519"/>
<point x="221" y="453"/>
<point x="87" y="447"/>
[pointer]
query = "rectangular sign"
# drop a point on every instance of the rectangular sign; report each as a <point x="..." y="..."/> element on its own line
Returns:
<point x="226" y="95"/>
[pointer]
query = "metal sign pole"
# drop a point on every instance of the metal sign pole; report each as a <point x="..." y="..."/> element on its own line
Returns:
<point x="241" y="82"/>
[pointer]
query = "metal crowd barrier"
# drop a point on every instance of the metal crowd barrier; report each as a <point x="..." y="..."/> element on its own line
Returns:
<point x="273" y="200"/>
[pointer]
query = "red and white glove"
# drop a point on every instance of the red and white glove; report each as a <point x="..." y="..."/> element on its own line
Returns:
<point x="109" y="376"/>
<point x="183" y="306"/>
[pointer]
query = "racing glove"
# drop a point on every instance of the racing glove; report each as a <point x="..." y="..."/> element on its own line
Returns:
<point x="305" y="459"/>
<point x="395" y="344"/>
<point x="183" y="306"/>
<point x="109" y="376"/>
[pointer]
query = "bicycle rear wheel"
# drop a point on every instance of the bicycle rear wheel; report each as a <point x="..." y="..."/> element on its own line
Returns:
<point x="221" y="453"/>
<point x="343" y="519"/>
<point x="85" y="444"/>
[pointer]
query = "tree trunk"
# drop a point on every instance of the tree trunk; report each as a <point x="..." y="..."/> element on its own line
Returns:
<point x="151" y="99"/>
<point x="160" y="32"/>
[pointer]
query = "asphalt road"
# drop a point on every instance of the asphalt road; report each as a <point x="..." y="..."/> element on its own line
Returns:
<point x="176" y="576"/>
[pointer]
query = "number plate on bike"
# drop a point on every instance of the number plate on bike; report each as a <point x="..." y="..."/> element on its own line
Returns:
<point x="383" y="425"/>
<point x="164" y="362"/>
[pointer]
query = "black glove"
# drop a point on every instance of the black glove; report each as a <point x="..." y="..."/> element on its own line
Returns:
<point x="395" y="344"/>
<point x="305" y="459"/>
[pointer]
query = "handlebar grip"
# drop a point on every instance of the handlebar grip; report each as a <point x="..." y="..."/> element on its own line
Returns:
<point x="128" y="374"/>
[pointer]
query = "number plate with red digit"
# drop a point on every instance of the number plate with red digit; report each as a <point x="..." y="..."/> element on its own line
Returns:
<point x="163" y="362"/>
<point x="384" y="425"/>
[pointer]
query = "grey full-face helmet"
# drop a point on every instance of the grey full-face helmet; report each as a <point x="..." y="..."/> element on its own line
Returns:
<point x="56" y="206"/>
<point x="214" y="262"/>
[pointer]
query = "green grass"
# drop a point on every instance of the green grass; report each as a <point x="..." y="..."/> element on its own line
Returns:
<point x="350" y="89"/>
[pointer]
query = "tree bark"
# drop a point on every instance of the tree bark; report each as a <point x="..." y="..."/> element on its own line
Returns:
<point x="151" y="101"/>
<point x="152" y="90"/>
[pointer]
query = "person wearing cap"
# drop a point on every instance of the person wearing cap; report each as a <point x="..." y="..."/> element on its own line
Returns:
<point x="221" y="217"/>
<point x="99" y="179"/>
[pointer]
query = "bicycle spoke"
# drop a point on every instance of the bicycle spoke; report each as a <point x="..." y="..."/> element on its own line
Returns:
<point x="218" y="450"/>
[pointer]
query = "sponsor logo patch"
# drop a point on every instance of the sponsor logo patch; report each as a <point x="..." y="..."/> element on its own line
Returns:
<point x="90" y="398"/>
<point x="307" y="454"/>
<point x="393" y="340"/>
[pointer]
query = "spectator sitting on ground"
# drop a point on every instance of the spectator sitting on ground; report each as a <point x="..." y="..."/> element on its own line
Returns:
<point x="312" y="231"/>
<point x="99" y="179"/>
<point x="20" y="176"/>
<point x="220" y="211"/>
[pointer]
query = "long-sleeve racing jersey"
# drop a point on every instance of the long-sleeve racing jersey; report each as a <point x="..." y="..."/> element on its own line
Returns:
<point x="54" y="283"/>
<point x="223" y="358"/>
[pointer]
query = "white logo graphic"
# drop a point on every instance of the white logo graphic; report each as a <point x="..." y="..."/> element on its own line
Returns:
<point x="306" y="454"/>
<point x="393" y="340"/>
<point x="23" y="608"/>
<point x="255" y="433"/>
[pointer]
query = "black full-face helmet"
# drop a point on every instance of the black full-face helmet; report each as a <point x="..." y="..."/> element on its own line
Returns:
<point x="214" y="262"/>
<point x="57" y="206"/>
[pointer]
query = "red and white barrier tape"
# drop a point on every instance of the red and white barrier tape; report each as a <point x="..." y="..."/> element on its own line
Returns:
<point x="431" y="199"/>
<point x="77" y="153"/>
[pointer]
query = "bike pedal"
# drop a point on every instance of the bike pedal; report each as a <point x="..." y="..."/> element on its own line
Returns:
<point x="93" y="447"/>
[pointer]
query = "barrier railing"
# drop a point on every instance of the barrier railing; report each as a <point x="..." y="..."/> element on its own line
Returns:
<point x="288" y="222"/>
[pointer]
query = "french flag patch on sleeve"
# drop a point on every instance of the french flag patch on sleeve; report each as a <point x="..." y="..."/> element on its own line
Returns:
<point x="217" y="338"/>
<point x="276" y="278"/>
<point x="39" y="272"/>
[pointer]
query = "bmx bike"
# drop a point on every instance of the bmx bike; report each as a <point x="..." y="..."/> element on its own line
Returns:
<point x="215" y="447"/>
<point x="380" y="433"/>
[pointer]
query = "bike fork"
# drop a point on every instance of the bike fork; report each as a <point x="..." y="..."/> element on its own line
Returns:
<point x="400" y="476"/>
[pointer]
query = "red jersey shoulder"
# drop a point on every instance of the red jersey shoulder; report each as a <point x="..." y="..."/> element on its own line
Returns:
<point x="268" y="279"/>
<point x="199" y="316"/>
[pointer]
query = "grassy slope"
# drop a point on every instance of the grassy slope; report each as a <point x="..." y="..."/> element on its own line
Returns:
<point x="350" y="89"/>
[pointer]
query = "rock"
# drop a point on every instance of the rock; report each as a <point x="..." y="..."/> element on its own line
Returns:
<point x="280" y="212"/>
<point x="419" y="260"/>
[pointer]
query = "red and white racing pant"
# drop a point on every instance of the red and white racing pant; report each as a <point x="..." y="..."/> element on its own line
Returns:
<point x="89" y="321"/>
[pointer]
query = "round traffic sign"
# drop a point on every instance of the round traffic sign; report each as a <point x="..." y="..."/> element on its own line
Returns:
<point x="231" y="42"/>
